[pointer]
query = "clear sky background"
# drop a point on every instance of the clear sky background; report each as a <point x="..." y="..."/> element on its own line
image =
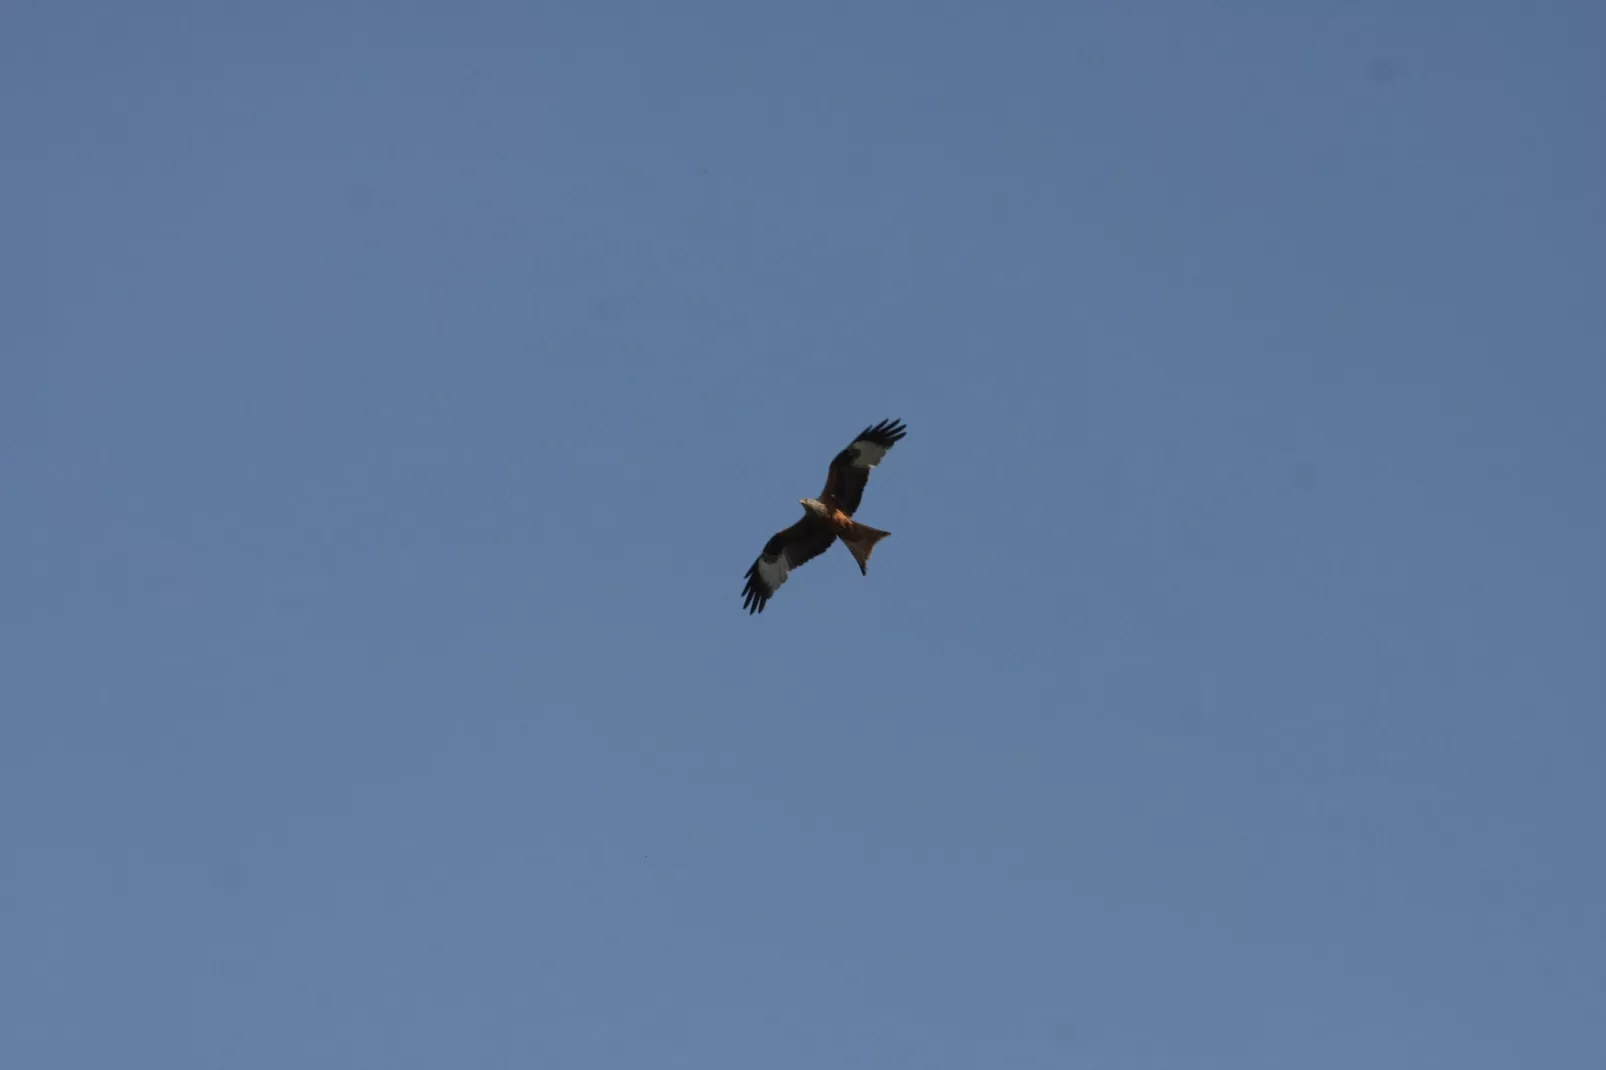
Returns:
<point x="393" y="396"/>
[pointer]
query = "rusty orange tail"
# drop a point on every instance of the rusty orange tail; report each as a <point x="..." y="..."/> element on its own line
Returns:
<point x="860" y="541"/>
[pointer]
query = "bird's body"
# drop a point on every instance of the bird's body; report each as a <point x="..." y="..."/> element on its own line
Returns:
<point x="826" y="518"/>
<point x="829" y="515"/>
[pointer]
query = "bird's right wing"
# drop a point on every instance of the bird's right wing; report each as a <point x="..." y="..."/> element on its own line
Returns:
<point x="786" y="550"/>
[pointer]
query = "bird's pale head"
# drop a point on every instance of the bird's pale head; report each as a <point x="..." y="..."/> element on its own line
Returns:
<point x="817" y="508"/>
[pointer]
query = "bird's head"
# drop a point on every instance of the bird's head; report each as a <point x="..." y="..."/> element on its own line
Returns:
<point x="817" y="508"/>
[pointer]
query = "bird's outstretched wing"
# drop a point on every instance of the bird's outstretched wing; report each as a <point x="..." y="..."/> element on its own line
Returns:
<point x="786" y="550"/>
<point x="850" y="469"/>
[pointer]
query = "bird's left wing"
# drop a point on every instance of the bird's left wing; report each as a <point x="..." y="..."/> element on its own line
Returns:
<point x="850" y="469"/>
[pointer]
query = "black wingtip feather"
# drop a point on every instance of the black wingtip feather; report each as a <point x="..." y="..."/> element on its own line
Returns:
<point x="753" y="599"/>
<point x="884" y="433"/>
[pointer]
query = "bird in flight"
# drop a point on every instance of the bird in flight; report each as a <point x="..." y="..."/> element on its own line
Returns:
<point x="825" y="519"/>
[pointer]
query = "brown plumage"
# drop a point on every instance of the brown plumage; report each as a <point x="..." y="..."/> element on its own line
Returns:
<point x="826" y="519"/>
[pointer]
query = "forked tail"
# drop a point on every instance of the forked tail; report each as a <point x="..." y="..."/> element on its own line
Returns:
<point x="860" y="541"/>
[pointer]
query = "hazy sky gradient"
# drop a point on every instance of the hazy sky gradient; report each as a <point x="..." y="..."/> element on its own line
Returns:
<point x="393" y="396"/>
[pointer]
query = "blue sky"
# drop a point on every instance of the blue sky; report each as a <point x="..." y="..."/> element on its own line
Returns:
<point x="394" y="396"/>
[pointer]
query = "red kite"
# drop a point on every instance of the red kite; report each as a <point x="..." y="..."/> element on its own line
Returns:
<point x="827" y="519"/>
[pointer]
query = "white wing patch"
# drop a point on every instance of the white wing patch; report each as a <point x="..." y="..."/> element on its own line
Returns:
<point x="772" y="571"/>
<point x="867" y="454"/>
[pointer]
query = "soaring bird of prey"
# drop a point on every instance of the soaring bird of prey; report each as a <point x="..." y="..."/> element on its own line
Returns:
<point x="826" y="518"/>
